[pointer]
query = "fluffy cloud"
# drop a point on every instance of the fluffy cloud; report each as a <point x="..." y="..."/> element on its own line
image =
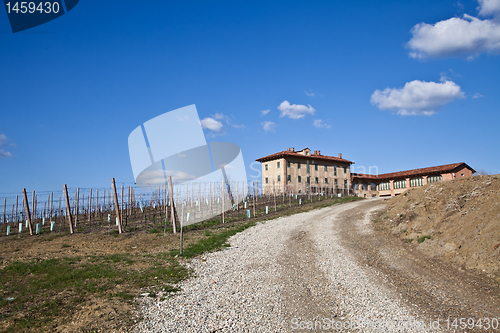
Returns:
<point x="268" y="126"/>
<point x="417" y="97"/>
<point x="295" y="111"/>
<point x="212" y="124"/>
<point x="457" y="36"/>
<point x="264" y="112"/>
<point x="320" y="124"/>
<point x="489" y="7"/>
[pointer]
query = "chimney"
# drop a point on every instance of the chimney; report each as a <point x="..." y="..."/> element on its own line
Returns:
<point x="288" y="149"/>
<point x="340" y="155"/>
<point x="318" y="152"/>
<point x="292" y="150"/>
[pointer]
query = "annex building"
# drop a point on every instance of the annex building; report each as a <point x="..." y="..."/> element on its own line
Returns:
<point x="304" y="171"/>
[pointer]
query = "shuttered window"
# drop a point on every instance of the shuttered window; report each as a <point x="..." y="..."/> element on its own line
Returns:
<point x="415" y="182"/>
<point x="433" y="179"/>
<point x="399" y="184"/>
<point x="384" y="186"/>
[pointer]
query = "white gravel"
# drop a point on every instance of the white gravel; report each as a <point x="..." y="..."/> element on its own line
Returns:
<point x="241" y="289"/>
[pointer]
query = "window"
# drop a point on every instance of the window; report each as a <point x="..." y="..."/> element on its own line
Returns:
<point x="365" y="185"/>
<point x="355" y="185"/>
<point x="317" y="180"/>
<point x="316" y="168"/>
<point x="345" y="183"/>
<point x="400" y="184"/>
<point x="266" y="167"/>
<point x="279" y="178"/>
<point x="373" y="186"/>
<point x="308" y="169"/>
<point x="267" y="180"/>
<point x="334" y="171"/>
<point x="433" y="179"/>
<point x="414" y="182"/>
<point x="309" y="180"/>
<point x="289" y="178"/>
<point x="326" y="180"/>
<point x="326" y="168"/>
<point x="278" y="165"/>
<point x="384" y="186"/>
<point x="307" y="153"/>
<point x="300" y="179"/>
<point x="345" y="170"/>
<point x="298" y="165"/>
<point x="288" y="164"/>
<point x="336" y="182"/>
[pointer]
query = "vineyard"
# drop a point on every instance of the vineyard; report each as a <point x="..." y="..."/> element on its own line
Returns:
<point x="132" y="208"/>
<point x="85" y="276"/>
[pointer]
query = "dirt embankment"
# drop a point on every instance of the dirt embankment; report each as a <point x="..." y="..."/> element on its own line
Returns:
<point x="461" y="217"/>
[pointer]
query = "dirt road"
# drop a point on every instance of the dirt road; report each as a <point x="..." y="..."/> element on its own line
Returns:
<point x="325" y="270"/>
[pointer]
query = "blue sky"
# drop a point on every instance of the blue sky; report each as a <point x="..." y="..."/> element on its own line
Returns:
<point x="392" y="84"/>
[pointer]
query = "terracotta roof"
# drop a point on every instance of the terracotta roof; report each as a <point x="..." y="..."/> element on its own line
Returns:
<point x="285" y="153"/>
<point x="415" y="172"/>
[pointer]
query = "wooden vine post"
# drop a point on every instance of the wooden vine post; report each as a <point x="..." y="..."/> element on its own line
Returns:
<point x="68" y="209"/>
<point x="27" y="207"/>
<point x="117" y="206"/>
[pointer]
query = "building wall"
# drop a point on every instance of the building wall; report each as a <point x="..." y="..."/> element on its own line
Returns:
<point x="458" y="173"/>
<point x="294" y="172"/>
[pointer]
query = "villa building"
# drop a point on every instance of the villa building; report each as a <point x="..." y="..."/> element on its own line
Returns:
<point x="305" y="171"/>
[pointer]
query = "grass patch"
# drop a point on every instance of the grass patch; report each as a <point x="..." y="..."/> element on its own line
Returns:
<point x="35" y="293"/>
<point x="423" y="238"/>
<point x="213" y="242"/>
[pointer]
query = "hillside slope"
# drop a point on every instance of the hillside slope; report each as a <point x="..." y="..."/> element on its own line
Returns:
<point x="462" y="218"/>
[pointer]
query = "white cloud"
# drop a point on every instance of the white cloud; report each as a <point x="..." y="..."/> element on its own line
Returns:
<point x="264" y="112"/>
<point x="212" y="124"/>
<point x="310" y="93"/>
<point x="477" y="95"/>
<point x="268" y="126"/>
<point x="295" y="111"/>
<point x="4" y="142"/>
<point x="489" y="7"/>
<point x="417" y="97"/>
<point x="4" y="153"/>
<point x="468" y="36"/>
<point x="159" y="176"/>
<point x="320" y="124"/>
<point x="219" y="116"/>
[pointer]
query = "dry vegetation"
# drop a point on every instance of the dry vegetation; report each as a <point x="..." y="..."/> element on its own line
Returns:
<point x="458" y="221"/>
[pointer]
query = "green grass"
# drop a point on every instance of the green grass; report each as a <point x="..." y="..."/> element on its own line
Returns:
<point x="213" y="242"/>
<point x="423" y="238"/>
<point x="44" y="289"/>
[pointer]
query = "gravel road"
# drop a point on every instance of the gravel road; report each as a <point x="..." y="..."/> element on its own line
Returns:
<point x="324" y="270"/>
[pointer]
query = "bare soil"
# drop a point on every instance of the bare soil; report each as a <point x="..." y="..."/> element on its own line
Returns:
<point x="461" y="217"/>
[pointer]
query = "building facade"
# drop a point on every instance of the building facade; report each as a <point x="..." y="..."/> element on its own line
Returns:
<point x="394" y="183"/>
<point x="304" y="171"/>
